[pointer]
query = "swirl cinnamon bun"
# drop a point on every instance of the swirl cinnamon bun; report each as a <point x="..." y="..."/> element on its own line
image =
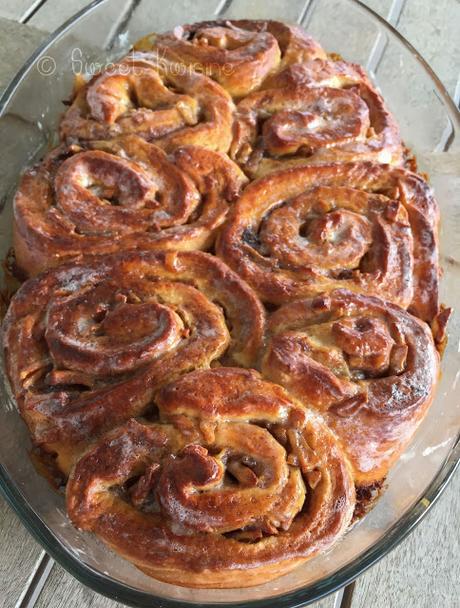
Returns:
<point x="367" y="365"/>
<point x="120" y="194"/>
<point x="157" y="100"/>
<point x="315" y="112"/>
<point x="365" y="227"/>
<point x="88" y="344"/>
<point x="238" y="54"/>
<point x="234" y="478"/>
<point x="131" y="357"/>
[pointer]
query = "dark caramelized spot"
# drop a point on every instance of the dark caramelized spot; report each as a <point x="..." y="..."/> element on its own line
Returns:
<point x="251" y="239"/>
<point x="366" y="498"/>
<point x="141" y="492"/>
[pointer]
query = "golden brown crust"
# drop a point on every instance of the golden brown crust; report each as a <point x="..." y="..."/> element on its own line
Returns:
<point x="128" y="357"/>
<point x="368" y="366"/>
<point x="316" y="112"/>
<point x="87" y="345"/>
<point x="318" y="72"/>
<point x="160" y="101"/>
<point x="366" y="227"/>
<point x="239" y="54"/>
<point x="439" y="327"/>
<point x="120" y="194"/>
<point x="235" y="477"/>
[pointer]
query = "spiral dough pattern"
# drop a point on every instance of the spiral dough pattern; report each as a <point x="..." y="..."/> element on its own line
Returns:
<point x="231" y="326"/>
<point x="239" y="54"/>
<point x="88" y="345"/>
<point x="368" y="366"/>
<point x="365" y="227"/>
<point x="159" y="101"/>
<point x="315" y="112"/>
<point x="233" y="477"/>
<point x="121" y="194"/>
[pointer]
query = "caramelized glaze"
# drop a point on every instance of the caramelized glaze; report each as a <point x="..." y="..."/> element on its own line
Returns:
<point x="154" y="99"/>
<point x="87" y="345"/>
<point x="120" y="194"/>
<point x="365" y="227"/>
<point x="128" y="356"/>
<point x="239" y="54"/>
<point x="235" y="477"/>
<point x="314" y="112"/>
<point x="368" y="366"/>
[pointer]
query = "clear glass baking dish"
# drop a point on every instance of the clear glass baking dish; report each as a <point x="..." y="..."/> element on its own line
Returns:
<point x="29" y="110"/>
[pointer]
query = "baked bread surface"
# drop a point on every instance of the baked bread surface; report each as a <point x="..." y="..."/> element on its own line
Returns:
<point x="231" y="325"/>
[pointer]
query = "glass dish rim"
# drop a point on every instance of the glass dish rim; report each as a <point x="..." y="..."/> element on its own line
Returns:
<point x="113" y="589"/>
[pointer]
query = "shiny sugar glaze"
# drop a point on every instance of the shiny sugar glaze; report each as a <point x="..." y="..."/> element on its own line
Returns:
<point x="233" y="329"/>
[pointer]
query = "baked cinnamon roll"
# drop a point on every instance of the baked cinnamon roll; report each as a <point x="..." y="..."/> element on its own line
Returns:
<point x="368" y="366"/>
<point x="120" y="194"/>
<point x="234" y="485"/>
<point x="239" y="54"/>
<point x="131" y="357"/>
<point x="315" y="112"/>
<point x="88" y="344"/>
<point x="365" y="227"/>
<point x="157" y="100"/>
